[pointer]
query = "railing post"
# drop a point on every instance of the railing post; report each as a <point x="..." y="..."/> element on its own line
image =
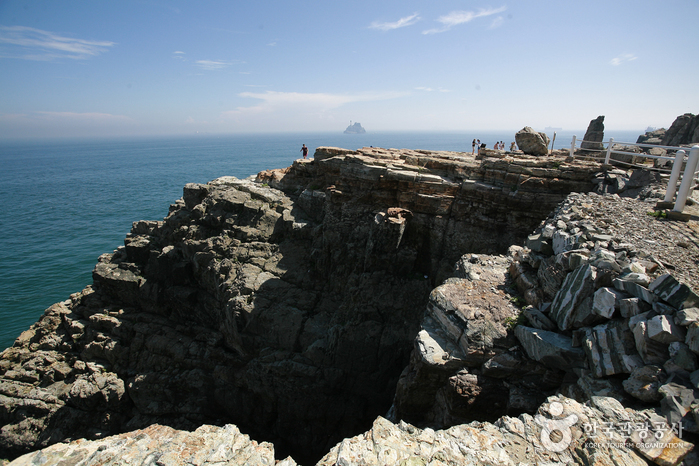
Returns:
<point x="672" y="184"/>
<point x="572" y="147"/>
<point x="609" y="151"/>
<point x="687" y="179"/>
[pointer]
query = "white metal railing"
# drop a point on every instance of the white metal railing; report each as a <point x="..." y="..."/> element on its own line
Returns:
<point x="688" y="177"/>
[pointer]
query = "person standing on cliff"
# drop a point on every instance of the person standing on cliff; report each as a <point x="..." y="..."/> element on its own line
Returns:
<point x="304" y="149"/>
<point x="473" y="147"/>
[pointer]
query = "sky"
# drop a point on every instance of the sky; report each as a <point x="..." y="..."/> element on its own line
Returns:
<point x="154" y="67"/>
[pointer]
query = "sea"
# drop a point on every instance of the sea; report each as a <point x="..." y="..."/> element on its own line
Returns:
<point x="67" y="201"/>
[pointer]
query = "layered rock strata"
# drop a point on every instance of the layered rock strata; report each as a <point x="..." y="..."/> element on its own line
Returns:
<point x="289" y="305"/>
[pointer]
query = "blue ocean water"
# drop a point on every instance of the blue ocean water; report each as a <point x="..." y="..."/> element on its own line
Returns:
<point x="66" y="202"/>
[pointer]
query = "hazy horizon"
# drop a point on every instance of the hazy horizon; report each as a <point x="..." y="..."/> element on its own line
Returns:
<point x="562" y="133"/>
<point x="140" y="68"/>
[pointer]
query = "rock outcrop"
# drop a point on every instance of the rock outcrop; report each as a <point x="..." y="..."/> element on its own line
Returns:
<point x="594" y="135"/>
<point x="289" y="306"/>
<point x="532" y="142"/>
<point x="652" y="137"/>
<point x="355" y="129"/>
<point x="208" y="445"/>
<point x="684" y="130"/>
<point x="563" y="431"/>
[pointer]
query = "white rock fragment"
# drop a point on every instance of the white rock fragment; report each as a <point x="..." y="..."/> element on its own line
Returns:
<point x="603" y="302"/>
<point x="662" y="329"/>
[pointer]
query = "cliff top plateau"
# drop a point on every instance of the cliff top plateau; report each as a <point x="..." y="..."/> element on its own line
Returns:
<point x="377" y="306"/>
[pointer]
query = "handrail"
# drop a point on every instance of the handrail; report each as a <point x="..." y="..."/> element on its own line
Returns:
<point x="688" y="177"/>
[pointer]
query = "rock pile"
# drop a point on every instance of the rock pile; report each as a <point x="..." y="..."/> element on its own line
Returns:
<point x="639" y="183"/>
<point x="603" y="318"/>
<point x="629" y="327"/>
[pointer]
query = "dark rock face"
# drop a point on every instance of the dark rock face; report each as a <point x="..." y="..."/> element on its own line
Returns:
<point x="594" y="134"/>
<point x="289" y="313"/>
<point x="684" y="130"/>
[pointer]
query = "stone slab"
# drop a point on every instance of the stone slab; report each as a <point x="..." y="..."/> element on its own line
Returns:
<point x="549" y="348"/>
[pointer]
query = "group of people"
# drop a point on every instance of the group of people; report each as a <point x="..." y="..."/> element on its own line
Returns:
<point x="476" y="143"/>
<point x="499" y="145"/>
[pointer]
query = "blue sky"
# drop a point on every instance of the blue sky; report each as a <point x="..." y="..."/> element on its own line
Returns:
<point x="120" y="68"/>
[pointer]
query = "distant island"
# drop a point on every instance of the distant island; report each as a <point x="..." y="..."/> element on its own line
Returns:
<point x="355" y="129"/>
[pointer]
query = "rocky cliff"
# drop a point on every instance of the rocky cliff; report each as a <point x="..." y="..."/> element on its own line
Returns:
<point x="683" y="131"/>
<point x="289" y="305"/>
<point x="289" y="311"/>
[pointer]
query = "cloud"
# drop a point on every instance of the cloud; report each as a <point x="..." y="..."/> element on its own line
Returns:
<point x="497" y="22"/>
<point x="273" y="101"/>
<point x="460" y="17"/>
<point x="429" y="89"/>
<point x="87" y="116"/>
<point x="403" y="22"/>
<point x="623" y="58"/>
<point x="212" y="64"/>
<point x="34" y="44"/>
